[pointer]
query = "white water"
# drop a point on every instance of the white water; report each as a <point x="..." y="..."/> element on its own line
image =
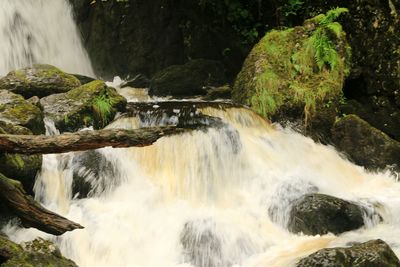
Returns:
<point x="40" y="31"/>
<point x="202" y="199"/>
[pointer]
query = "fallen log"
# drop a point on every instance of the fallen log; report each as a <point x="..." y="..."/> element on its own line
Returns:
<point x="84" y="140"/>
<point x="31" y="213"/>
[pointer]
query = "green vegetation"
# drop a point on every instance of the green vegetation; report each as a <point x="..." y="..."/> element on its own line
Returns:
<point x="103" y="108"/>
<point x="302" y="67"/>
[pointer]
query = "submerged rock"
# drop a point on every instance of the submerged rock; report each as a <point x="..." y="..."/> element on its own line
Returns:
<point x="188" y="79"/>
<point x="366" y="145"/>
<point x="38" y="80"/>
<point x="373" y="253"/>
<point x="320" y="214"/>
<point x="201" y="244"/>
<point x="93" y="174"/>
<point x="139" y="81"/>
<point x="93" y="104"/>
<point x="38" y="253"/>
<point x="297" y="73"/>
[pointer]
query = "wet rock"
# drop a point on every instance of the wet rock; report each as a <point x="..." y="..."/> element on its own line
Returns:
<point x="15" y="110"/>
<point x="93" y="174"/>
<point x="369" y="254"/>
<point x="222" y="92"/>
<point x="320" y="214"/>
<point x="139" y="81"/>
<point x="38" y="80"/>
<point x="188" y="79"/>
<point x="83" y="79"/>
<point x="93" y="104"/>
<point x="364" y="144"/>
<point x="201" y="244"/>
<point x="282" y="80"/>
<point x="39" y="252"/>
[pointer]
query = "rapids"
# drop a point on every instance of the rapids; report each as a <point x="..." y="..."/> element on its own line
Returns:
<point x="209" y="198"/>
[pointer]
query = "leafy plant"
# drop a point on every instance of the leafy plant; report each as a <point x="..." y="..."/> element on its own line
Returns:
<point x="103" y="108"/>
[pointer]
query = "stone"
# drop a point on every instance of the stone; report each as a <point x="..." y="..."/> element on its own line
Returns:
<point x="39" y="80"/>
<point x="364" y="144"/>
<point x="373" y="253"/>
<point x="188" y="79"/>
<point x="318" y="214"/>
<point x="92" y="104"/>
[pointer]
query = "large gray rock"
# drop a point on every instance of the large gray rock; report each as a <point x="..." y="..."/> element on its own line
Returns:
<point x="364" y="144"/>
<point x="188" y="79"/>
<point x="93" y="104"/>
<point x="320" y="214"/>
<point x="374" y="253"/>
<point x="38" y="80"/>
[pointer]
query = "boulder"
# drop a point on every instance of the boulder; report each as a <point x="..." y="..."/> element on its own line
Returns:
<point x="18" y="116"/>
<point x="39" y="252"/>
<point x="93" y="104"/>
<point x="364" y="144"/>
<point x="83" y="79"/>
<point x="297" y="73"/>
<point x="369" y="254"/>
<point x="39" y="80"/>
<point x="222" y="92"/>
<point x="188" y="79"/>
<point x="15" y="110"/>
<point x="139" y="81"/>
<point x="318" y="214"/>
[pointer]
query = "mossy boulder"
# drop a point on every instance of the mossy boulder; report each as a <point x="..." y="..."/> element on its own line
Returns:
<point x="39" y="80"/>
<point x="188" y="79"/>
<point x="93" y="104"/>
<point x="369" y="254"/>
<point x="15" y="110"/>
<point x="318" y="214"/>
<point x="364" y="144"/>
<point x="297" y="73"/>
<point x="38" y="253"/>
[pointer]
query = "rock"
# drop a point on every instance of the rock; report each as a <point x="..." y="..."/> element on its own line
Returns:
<point x="201" y="244"/>
<point x="139" y="81"/>
<point x="93" y="104"/>
<point x="364" y="144"/>
<point x="15" y="110"/>
<point x="369" y="254"/>
<point x="39" y="252"/>
<point x="287" y="76"/>
<point x="38" y="80"/>
<point x="222" y="92"/>
<point x="83" y="79"/>
<point x="18" y="116"/>
<point x="318" y="214"/>
<point x="91" y="174"/>
<point x="188" y="79"/>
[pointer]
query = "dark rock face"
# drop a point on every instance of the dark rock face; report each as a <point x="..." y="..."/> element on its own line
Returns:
<point x="366" y="145"/>
<point x="374" y="82"/>
<point x="39" y="253"/>
<point x="373" y="253"/>
<point x="38" y="80"/>
<point x="93" y="104"/>
<point x="188" y="79"/>
<point x="321" y="214"/>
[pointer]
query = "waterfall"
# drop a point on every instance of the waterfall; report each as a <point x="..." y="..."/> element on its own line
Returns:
<point x="40" y="31"/>
<point x="210" y="198"/>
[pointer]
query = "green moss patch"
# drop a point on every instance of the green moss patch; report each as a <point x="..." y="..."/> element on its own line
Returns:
<point x="300" y="70"/>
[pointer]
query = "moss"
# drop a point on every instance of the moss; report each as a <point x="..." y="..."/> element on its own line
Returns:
<point x="301" y="68"/>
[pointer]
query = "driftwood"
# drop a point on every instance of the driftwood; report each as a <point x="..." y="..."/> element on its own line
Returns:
<point x="84" y="140"/>
<point x="31" y="213"/>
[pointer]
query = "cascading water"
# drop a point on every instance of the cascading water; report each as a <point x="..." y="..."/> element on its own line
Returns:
<point x="40" y="31"/>
<point x="210" y="198"/>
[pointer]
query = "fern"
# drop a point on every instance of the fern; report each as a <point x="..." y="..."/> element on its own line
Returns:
<point x="335" y="28"/>
<point x="102" y="107"/>
<point x="332" y="15"/>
